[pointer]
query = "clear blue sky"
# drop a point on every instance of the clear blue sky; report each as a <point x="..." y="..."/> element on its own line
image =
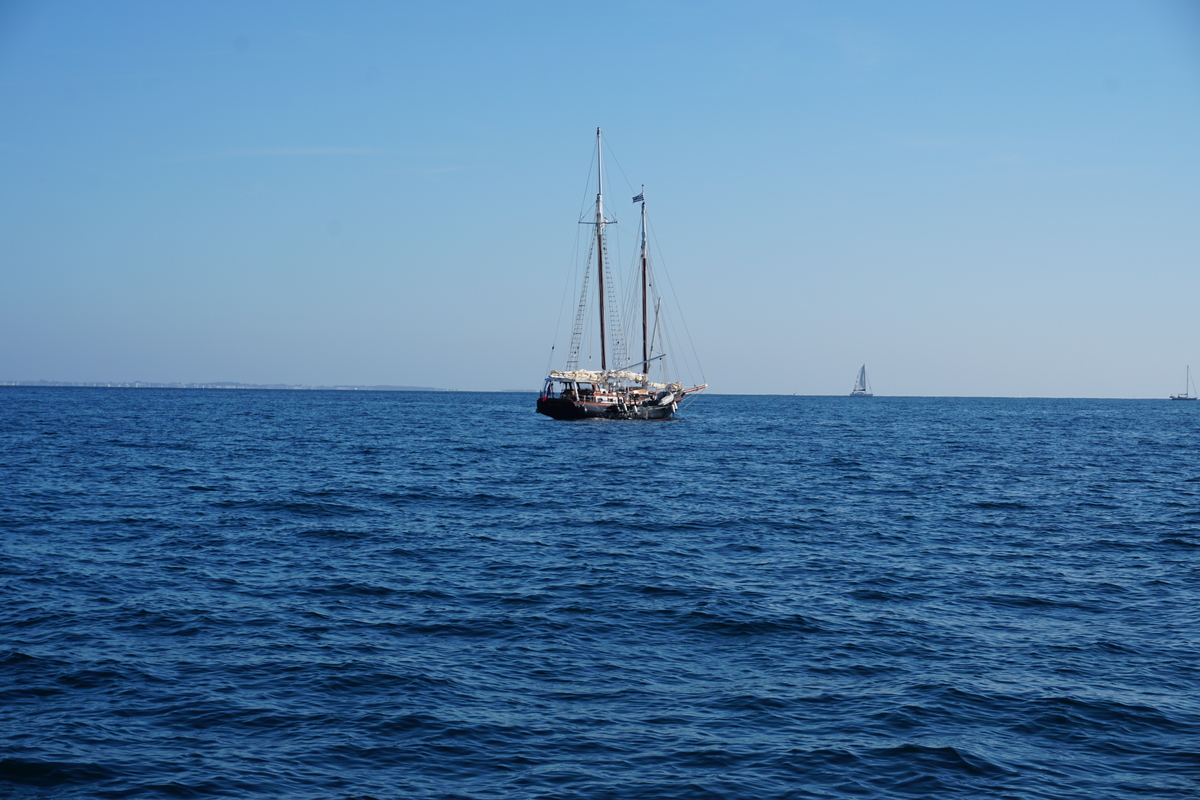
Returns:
<point x="972" y="198"/>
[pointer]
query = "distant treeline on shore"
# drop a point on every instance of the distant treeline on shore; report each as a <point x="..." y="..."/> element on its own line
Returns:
<point x="222" y="385"/>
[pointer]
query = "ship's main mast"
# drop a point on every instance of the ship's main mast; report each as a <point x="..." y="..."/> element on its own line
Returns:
<point x="645" y="281"/>
<point x="600" y="244"/>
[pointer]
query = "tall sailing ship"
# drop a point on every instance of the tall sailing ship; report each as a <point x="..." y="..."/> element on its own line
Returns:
<point x="627" y="391"/>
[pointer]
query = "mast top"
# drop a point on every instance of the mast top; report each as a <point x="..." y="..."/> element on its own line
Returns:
<point x="599" y="172"/>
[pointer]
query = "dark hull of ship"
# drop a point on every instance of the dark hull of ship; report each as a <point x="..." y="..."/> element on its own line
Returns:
<point x="561" y="408"/>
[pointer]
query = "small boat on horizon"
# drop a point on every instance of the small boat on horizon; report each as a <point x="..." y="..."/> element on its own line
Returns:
<point x="627" y="391"/>
<point x="861" y="387"/>
<point x="1187" y="385"/>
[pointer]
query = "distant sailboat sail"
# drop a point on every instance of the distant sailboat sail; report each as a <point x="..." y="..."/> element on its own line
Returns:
<point x="861" y="387"/>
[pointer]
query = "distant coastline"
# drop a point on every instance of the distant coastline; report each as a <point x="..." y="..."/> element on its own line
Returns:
<point x="223" y="385"/>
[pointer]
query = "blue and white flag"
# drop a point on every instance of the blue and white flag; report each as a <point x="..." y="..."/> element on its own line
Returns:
<point x="641" y="198"/>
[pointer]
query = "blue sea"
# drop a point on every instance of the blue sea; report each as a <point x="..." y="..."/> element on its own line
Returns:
<point x="313" y="594"/>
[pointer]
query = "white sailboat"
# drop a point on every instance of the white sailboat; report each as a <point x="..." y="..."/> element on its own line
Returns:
<point x="861" y="387"/>
<point x="1189" y="388"/>
<point x="629" y="391"/>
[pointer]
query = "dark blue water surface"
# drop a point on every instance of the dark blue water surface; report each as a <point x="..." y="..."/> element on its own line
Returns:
<point x="444" y="595"/>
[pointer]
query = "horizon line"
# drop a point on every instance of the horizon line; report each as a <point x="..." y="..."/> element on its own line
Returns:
<point x="235" y="385"/>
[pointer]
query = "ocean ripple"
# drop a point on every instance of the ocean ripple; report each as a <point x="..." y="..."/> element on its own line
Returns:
<point x="382" y="595"/>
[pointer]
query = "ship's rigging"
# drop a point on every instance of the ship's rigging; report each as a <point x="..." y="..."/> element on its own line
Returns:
<point x="621" y="387"/>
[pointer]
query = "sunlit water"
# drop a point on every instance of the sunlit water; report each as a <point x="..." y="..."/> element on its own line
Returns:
<point x="444" y="595"/>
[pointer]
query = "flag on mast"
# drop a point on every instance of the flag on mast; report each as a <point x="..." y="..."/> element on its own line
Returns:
<point x="641" y="198"/>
